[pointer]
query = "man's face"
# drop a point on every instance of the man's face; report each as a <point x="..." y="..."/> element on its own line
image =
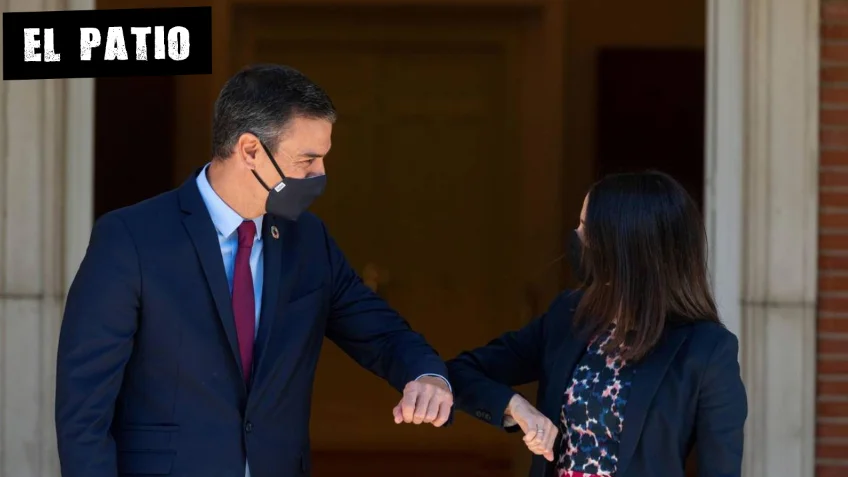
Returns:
<point x="300" y="152"/>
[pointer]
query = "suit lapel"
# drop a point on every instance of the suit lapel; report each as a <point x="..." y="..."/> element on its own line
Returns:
<point x="203" y="235"/>
<point x="565" y="358"/>
<point x="646" y="381"/>
<point x="280" y="266"/>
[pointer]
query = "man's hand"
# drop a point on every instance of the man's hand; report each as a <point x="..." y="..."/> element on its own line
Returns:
<point x="425" y="400"/>
<point x="539" y="432"/>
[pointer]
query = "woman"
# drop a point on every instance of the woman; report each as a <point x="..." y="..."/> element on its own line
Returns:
<point x="635" y="368"/>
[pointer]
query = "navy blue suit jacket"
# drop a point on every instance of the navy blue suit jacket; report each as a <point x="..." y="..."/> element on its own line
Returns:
<point x="148" y="375"/>
<point x="687" y="392"/>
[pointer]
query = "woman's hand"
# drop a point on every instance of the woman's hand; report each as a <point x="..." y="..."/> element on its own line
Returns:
<point x="539" y="432"/>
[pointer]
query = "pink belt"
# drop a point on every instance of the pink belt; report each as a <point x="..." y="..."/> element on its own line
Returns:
<point x="574" y="473"/>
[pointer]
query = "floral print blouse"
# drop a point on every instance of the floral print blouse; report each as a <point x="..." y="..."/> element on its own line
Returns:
<point x="592" y="415"/>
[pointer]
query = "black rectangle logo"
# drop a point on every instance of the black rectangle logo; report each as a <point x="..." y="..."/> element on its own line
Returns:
<point x="102" y="43"/>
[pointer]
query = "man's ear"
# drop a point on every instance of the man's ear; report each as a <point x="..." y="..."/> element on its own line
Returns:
<point x="247" y="150"/>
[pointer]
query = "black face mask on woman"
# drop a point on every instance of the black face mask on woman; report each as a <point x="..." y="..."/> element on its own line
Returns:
<point x="291" y="197"/>
<point x="575" y="256"/>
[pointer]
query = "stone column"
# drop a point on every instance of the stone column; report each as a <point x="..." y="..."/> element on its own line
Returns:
<point x="762" y="178"/>
<point x="45" y="218"/>
<point x="781" y="235"/>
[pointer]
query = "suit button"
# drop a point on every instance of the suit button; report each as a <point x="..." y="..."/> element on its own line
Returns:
<point x="479" y="414"/>
<point x="488" y="416"/>
<point x="248" y="427"/>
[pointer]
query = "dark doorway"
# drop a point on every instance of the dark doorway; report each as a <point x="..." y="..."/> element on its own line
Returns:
<point x="651" y="114"/>
<point x="133" y="145"/>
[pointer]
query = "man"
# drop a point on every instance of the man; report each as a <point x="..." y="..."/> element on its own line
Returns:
<point x="194" y="324"/>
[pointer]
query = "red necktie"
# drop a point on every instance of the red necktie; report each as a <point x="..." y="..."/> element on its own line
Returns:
<point x="244" y="301"/>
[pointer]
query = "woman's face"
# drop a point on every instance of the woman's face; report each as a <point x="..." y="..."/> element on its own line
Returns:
<point x="580" y="231"/>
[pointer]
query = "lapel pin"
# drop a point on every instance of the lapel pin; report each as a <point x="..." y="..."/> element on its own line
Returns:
<point x="275" y="232"/>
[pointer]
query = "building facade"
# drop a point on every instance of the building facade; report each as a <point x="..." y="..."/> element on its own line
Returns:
<point x="776" y="206"/>
<point x="832" y="348"/>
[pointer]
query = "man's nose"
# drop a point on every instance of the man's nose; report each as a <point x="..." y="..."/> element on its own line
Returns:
<point x="317" y="168"/>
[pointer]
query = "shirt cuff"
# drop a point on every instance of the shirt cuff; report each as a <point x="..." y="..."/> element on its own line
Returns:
<point x="508" y="421"/>
<point x="437" y="376"/>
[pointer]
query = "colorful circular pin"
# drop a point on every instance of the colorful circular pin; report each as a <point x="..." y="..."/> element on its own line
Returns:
<point x="275" y="232"/>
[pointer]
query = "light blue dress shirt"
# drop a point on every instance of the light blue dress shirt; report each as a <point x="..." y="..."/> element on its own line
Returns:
<point x="227" y="221"/>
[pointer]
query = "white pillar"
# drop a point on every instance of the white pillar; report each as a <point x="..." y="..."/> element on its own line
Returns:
<point x="724" y="164"/>
<point x="762" y="183"/>
<point x="46" y="169"/>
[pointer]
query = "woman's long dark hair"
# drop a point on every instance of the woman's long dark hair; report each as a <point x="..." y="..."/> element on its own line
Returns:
<point x="644" y="259"/>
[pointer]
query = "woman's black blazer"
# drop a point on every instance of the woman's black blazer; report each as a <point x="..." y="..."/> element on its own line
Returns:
<point x="687" y="392"/>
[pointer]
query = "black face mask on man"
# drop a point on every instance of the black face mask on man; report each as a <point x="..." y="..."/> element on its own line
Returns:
<point x="575" y="257"/>
<point x="291" y="197"/>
